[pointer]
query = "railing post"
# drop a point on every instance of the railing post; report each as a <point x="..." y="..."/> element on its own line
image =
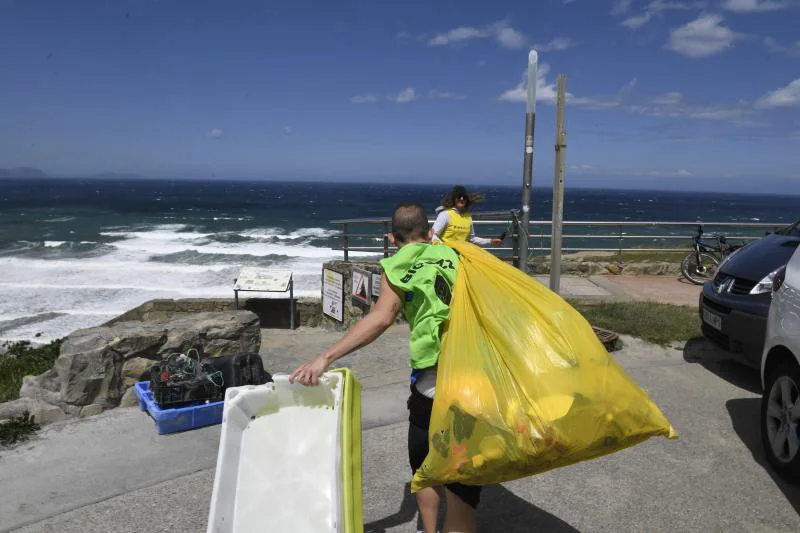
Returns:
<point x="541" y="239"/>
<point x="385" y="239"/>
<point x="620" y="243"/>
<point x="345" y="242"/>
<point x="515" y="241"/>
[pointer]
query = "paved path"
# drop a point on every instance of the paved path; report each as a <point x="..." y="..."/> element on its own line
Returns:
<point x="664" y="289"/>
<point x="112" y="472"/>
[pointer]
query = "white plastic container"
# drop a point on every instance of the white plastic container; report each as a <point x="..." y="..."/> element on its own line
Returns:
<point x="279" y="461"/>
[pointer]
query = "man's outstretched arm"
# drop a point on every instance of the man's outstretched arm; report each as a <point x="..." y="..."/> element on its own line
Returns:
<point x="361" y="334"/>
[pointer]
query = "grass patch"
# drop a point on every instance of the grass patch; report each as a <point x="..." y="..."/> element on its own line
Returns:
<point x="17" y="430"/>
<point x="21" y="359"/>
<point x="654" y="322"/>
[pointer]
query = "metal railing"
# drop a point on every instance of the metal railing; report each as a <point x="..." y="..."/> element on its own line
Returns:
<point x="624" y="236"/>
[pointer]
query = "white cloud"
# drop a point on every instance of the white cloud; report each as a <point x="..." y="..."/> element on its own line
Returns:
<point x="638" y="21"/>
<point x="544" y="92"/>
<point x="774" y="46"/>
<point x="555" y="45"/>
<point x="674" y="105"/>
<point x="456" y="35"/>
<point x="682" y="173"/>
<point x="406" y="95"/>
<point x="703" y="37"/>
<point x="788" y="96"/>
<point x="548" y="92"/>
<point x="666" y="105"/>
<point x="669" y="105"/>
<point x="510" y="38"/>
<point x="630" y="86"/>
<point x="446" y="95"/>
<point x="670" y="98"/>
<point x="652" y="10"/>
<point x="621" y="7"/>
<point x="215" y="133"/>
<point x="287" y="130"/>
<point x="749" y="6"/>
<point x="581" y="168"/>
<point x="505" y="35"/>
<point x="363" y="99"/>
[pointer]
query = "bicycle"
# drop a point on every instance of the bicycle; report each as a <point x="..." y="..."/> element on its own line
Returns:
<point x="700" y="265"/>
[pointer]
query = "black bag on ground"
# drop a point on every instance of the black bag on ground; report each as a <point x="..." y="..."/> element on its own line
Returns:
<point x="244" y="368"/>
<point x="170" y="393"/>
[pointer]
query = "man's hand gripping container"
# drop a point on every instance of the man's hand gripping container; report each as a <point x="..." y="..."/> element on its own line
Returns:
<point x="290" y="458"/>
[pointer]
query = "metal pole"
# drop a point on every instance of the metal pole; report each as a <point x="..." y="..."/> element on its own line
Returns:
<point x="291" y="304"/>
<point x="345" y="243"/>
<point x="527" y="172"/>
<point x="558" y="190"/>
<point x="385" y="239"/>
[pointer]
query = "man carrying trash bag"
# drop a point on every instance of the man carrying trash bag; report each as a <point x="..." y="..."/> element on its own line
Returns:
<point x="417" y="281"/>
<point x="522" y="383"/>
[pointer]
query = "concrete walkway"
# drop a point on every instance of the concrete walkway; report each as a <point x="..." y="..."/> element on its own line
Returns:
<point x="663" y="289"/>
<point x="113" y="472"/>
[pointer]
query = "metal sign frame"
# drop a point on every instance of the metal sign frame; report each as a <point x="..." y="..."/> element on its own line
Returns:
<point x="252" y="279"/>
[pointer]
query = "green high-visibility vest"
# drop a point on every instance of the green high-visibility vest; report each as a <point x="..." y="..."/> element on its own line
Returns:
<point x="425" y="274"/>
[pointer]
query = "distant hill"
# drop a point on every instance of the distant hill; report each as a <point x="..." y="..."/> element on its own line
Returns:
<point x="22" y="172"/>
<point x="30" y="172"/>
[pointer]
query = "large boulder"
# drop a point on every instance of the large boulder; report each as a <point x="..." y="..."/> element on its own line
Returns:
<point x="96" y="367"/>
<point x="42" y="412"/>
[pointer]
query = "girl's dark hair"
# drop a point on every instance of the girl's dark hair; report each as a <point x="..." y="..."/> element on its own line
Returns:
<point x="458" y="190"/>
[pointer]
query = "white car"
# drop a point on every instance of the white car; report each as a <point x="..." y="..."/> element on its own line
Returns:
<point x="780" y="374"/>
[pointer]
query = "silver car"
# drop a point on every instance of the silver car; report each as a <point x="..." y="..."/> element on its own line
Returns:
<point x="780" y="374"/>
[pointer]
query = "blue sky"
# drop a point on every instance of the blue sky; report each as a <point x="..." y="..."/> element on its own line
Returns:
<point x="662" y="94"/>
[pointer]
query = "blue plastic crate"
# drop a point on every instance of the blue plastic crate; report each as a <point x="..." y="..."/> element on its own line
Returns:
<point x="179" y="419"/>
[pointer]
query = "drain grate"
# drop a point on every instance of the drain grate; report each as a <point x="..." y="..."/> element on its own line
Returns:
<point x="609" y="339"/>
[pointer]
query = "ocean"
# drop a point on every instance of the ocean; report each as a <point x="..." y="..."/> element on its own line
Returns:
<point x="75" y="253"/>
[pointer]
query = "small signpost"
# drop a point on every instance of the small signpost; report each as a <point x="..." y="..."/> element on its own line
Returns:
<point x="333" y="294"/>
<point x="376" y="285"/>
<point x="361" y="286"/>
<point x="252" y="279"/>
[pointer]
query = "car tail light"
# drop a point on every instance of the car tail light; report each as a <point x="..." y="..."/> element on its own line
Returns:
<point x="777" y="281"/>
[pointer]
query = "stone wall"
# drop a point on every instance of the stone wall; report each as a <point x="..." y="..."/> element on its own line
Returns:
<point x="594" y="268"/>
<point x="272" y="313"/>
<point x="353" y="310"/>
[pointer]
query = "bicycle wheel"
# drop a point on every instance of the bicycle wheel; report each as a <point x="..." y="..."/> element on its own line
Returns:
<point x="698" y="272"/>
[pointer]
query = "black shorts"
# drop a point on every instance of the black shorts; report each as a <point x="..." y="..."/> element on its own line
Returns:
<point x="419" y="418"/>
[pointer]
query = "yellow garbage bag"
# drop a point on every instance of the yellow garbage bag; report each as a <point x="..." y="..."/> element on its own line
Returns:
<point x="524" y="385"/>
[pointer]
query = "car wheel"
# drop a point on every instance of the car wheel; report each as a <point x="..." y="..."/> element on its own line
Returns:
<point x="780" y="419"/>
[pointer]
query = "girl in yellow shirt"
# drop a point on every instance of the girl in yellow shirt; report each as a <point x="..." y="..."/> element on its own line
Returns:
<point x="454" y="223"/>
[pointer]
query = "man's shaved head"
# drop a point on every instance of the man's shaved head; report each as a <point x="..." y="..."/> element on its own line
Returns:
<point x="409" y="223"/>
